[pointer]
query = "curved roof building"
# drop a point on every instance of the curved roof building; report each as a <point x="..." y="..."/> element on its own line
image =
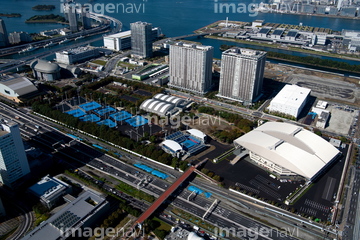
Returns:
<point x="169" y="99"/>
<point x="155" y="106"/>
<point x="16" y="87"/>
<point x="171" y="147"/>
<point x="197" y="134"/>
<point x="45" y="70"/>
<point x="288" y="149"/>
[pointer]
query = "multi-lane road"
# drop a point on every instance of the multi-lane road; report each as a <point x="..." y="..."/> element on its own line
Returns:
<point x="222" y="215"/>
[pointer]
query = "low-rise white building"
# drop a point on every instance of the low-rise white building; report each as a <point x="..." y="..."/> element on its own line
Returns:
<point x="118" y="41"/>
<point x="290" y="100"/>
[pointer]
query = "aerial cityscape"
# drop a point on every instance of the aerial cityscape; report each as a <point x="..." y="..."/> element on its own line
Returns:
<point x="170" y="120"/>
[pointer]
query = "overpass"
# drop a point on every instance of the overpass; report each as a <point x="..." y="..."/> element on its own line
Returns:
<point x="165" y="195"/>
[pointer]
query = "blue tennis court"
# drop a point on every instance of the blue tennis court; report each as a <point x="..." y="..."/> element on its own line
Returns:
<point x="121" y="116"/>
<point x="90" y="118"/>
<point x="137" y="121"/>
<point x="107" y="122"/>
<point x="90" y="106"/>
<point x="188" y="144"/>
<point x="105" y="110"/>
<point x="76" y="113"/>
<point x="197" y="190"/>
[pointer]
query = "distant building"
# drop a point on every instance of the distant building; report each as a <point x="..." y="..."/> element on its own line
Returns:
<point x="118" y="41"/>
<point x="321" y="38"/>
<point x="257" y="23"/>
<point x="191" y="67"/>
<point x="242" y="73"/>
<point x="122" y="40"/>
<point x="333" y="11"/>
<point x="18" y="37"/>
<point x="4" y="38"/>
<point x="141" y="39"/>
<point x="71" y="16"/>
<point x="277" y="34"/>
<point x="85" y="18"/>
<point x="307" y="8"/>
<point x="290" y="100"/>
<point x="13" y="161"/>
<point x="263" y="33"/>
<point x="292" y="35"/>
<point x="76" y="55"/>
<point x="82" y="212"/>
<point x="15" y="87"/>
<point x="2" y="209"/>
<point x="50" y="190"/>
<point x="45" y="70"/>
<point x="348" y="11"/>
<point x="164" y="105"/>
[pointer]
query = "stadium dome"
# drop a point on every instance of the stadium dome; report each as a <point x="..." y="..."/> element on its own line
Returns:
<point x="45" y="70"/>
<point x="158" y="107"/>
<point x="194" y="236"/>
<point x="169" y="99"/>
<point x="171" y="146"/>
<point x="288" y="149"/>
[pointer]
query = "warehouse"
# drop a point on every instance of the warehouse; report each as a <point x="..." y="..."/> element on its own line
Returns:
<point x="290" y="100"/>
<point x="288" y="150"/>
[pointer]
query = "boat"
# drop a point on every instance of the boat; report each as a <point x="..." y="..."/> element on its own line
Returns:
<point x="28" y="49"/>
<point x="50" y="44"/>
<point x="80" y="37"/>
<point x="64" y="41"/>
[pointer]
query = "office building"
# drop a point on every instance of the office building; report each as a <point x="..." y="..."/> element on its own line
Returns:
<point x="4" y="38"/>
<point x="85" y="18"/>
<point x="18" y="37"/>
<point x="71" y="16"/>
<point x="13" y="161"/>
<point x="191" y="67"/>
<point x="290" y="100"/>
<point x="76" y="55"/>
<point x="242" y="72"/>
<point x="141" y="39"/>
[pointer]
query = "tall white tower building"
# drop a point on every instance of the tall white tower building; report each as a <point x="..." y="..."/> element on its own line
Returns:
<point x="13" y="160"/>
<point x="242" y="73"/>
<point x="191" y="67"/>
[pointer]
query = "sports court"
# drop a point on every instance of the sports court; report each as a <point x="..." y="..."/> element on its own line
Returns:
<point x="90" y="118"/>
<point x="137" y="121"/>
<point x="188" y="144"/>
<point x="76" y="113"/>
<point x="105" y="110"/>
<point x="90" y="106"/>
<point x="108" y="123"/>
<point x="121" y="116"/>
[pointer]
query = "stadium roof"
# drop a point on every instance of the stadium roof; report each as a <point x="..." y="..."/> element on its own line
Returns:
<point x="20" y="85"/>
<point x="291" y="95"/>
<point x="169" y="98"/>
<point x="197" y="133"/>
<point x="156" y="106"/>
<point x="44" y="66"/>
<point x="290" y="146"/>
<point x="194" y="236"/>
<point x="174" y="146"/>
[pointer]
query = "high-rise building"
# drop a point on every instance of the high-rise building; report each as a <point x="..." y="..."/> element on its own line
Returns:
<point x="191" y="67"/>
<point x="71" y="15"/>
<point x="13" y="161"/>
<point x="242" y="72"/>
<point x="4" y="38"/>
<point x="85" y="18"/>
<point x="141" y="39"/>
